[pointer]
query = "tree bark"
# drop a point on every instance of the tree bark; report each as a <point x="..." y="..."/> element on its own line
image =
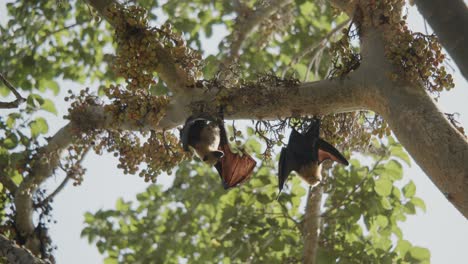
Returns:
<point x="15" y="254"/>
<point x="448" y="19"/>
<point x="311" y="227"/>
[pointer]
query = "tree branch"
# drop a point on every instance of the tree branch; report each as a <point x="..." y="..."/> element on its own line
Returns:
<point x="437" y="147"/>
<point x="15" y="254"/>
<point x="7" y="182"/>
<point x="447" y="18"/>
<point x="245" y="26"/>
<point x="19" y="98"/>
<point x="167" y="69"/>
<point x="318" y="45"/>
<point x="312" y="224"/>
<point x="44" y="163"/>
<point x="71" y="173"/>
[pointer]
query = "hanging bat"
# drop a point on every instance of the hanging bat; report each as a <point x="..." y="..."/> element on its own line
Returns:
<point x="202" y="133"/>
<point x="233" y="168"/>
<point x="208" y="137"/>
<point x="305" y="154"/>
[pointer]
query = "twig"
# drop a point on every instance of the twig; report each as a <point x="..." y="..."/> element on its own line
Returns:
<point x="70" y="174"/>
<point x="340" y="203"/>
<point x="8" y="182"/>
<point x="19" y="98"/>
<point x="246" y="25"/>
<point x="317" y="47"/>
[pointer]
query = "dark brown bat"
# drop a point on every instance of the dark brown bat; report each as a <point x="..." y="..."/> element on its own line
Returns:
<point x="233" y="168"/>
<point x="305" y="154"/>
<point x="208" y="137"/>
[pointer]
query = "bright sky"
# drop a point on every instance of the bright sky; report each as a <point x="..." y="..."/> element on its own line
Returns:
<point x="442" y="229"/>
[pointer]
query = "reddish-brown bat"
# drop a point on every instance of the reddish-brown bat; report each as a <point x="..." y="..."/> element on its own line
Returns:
<point x="209" y="139"/>
<point x="233" y="168"/>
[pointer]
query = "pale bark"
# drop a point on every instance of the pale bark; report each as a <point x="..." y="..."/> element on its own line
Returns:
<point x="448" y="19"/>
<point x="15" y="254"/>
<point x="311" y="225"/>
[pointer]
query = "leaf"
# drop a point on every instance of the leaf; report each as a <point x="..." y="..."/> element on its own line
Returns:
<point x="418" y="202"/>
<point x="324" y="256"/>
<point x="49" y="106"/>
<point x="420" y="253"/>
<point x="34" y="100"/>
<point x="399" y="152"/>
<point x="383" y="187"/>
<point x="409" y="190"/>
<point x="111" y="260"/>
<point x="38" y="126"/>
<point x="11" y="141"/>
<point x="403" y="246"/>
<point x="393" y="169"/>
<point x="381" y="220"/>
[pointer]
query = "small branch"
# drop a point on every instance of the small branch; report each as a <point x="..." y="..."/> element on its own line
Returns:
<point x="71" y="173"/>
<point x="319" y="45"/>
<point x="19" y="99"/>
<point x="246" y="26"/>
<point x="8" y="182"/>
<point x="15" y="254"/>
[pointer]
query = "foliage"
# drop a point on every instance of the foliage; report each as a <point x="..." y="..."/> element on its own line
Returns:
<point x="362" y="211"/>
<point x="44" y="42"/>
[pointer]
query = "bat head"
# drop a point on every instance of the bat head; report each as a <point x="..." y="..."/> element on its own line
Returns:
<point x="213" y="157"/>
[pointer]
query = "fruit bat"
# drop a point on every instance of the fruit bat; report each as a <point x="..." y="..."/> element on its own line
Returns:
<point x="208" y="137"/>
<point x="305" y="154"/>
<point x="233" y="168"/>
<point x="203" y="134"/>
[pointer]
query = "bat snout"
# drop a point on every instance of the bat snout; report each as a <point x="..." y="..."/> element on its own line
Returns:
<point x="213" y="157"/>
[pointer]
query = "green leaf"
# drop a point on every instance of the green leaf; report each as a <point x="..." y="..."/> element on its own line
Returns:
<point x="11" y="141"/>
<point x="418" y="202"/>
<point x="409" y="190"/>
<point x="111" y="260"/>
<point x="49" y="106"/>
<point x="393" y="170"/>
<point x="383" y="187"/>
<point x="38" y="126"/>
<point x="381" y="220"/>
<point x="420" y="253"/>
<point x="399" y="152"/>
<point x="34" y="100"/>
<point x="403" y="246"/>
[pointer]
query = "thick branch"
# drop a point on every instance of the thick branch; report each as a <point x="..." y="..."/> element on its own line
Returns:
<point x="447" y="19"/>
<point x="15" y="254"/>
<point x="312" y="224"/>
<point x="43" y="165"/>
<point x="438" y="148"/>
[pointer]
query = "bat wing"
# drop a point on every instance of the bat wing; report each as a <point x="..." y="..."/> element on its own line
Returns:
<point x="287" y="163"/>
<point x="327" y="151"/>
<point x="233" y="168"/>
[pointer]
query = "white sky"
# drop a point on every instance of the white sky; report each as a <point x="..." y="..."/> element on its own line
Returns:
<point x="442" y="228"/>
